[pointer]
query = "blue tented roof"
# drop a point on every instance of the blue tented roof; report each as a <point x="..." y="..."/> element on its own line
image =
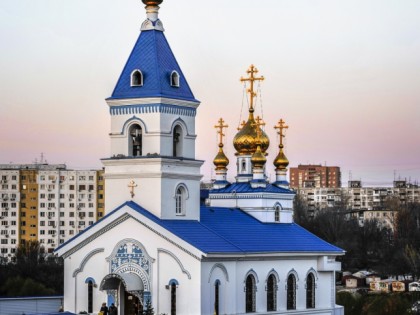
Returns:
<point x="246" y="188"/>
<point x="153" y="56"/>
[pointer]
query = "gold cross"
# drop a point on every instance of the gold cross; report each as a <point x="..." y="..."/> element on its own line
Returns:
<point x="242" y="125"/>
<point x="220" y="126"/>
<point x="251" y="71"/>
<point x="132" y="185"/>
<point x="258" y="122"/>
<point x="281" y="125"/>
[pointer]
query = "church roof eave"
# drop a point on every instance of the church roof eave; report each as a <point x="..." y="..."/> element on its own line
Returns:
<point x="114" y="218"/>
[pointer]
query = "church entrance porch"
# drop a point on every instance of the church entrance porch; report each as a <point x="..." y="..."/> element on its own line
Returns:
<point x="126" y="290"/>
<point x="132" y="305"/>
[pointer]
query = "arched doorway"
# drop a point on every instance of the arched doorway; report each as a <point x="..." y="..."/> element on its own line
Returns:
<point x="127" y="290"/>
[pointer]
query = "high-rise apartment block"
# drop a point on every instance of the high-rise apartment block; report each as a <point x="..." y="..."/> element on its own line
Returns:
<point x="364" y="202"/>
<point x="315" y="176"/>
<point x="48" y="203"/>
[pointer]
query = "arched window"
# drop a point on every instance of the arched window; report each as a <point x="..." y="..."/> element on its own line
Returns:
<point x="291" y="292"/>
<point x="250" y="294"/>
<point x="90" y="296"/>
<point x="271" y="293"/>
<point x="136" y="78"/>
<point x="135" y="140"/>
<point x="180" y="197"/>
<point x="177" y="141"/>
<point x="277" y="213"/>
<point x="310" y="291"/>
<point x="174" y="79"/>
<point x="243" y="165"/>
<point x="216" y="297"/>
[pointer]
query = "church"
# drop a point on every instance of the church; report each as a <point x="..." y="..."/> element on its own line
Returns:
<point x="166" y="244"/>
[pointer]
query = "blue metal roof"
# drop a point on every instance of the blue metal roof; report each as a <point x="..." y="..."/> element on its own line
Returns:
<point x="247" y="188"/>
<point x="228" y="230"/>
<point x="233" y="231"/>
<point x="153" y="56"/>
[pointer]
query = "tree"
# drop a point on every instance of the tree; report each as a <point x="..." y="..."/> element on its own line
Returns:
<point x="149" y="309"/>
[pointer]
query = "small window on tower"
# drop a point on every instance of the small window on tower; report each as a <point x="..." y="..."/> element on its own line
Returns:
<point x="175" y="79"/>
<point x="136" y="78"/>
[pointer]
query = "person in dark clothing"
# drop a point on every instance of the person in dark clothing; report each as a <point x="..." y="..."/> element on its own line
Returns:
<point x="104" y="309"/>
<point x="113" y="310"/>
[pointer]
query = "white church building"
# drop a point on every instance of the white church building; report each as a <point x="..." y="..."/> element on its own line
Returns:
<point x="233" y="249"/>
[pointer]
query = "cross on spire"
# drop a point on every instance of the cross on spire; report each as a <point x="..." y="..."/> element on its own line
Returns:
<point x="252" y="71"/>
<point x="220" y="126"/>
<point x="281" y="125"/>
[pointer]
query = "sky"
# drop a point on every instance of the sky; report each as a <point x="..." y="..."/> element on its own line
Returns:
<point x="344" y="75"/>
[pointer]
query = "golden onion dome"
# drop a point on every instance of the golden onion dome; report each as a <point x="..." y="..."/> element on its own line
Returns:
<point x="221" y="161"/>
<point x="245" y="141"/>
<point x="258" y="159"/>
<point x="281" y="162"/>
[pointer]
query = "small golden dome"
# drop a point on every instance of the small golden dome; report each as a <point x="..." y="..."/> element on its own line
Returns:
<point x="258" y="159"/>
<point x="245" y="141"/>
<point x="281" y="162"/>
<point x="221" y="161"/>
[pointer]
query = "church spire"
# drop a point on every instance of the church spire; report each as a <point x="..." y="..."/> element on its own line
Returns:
<point x="220" y="161"/>
<point x="281" y="162"/>
<point x="258" y="159"/>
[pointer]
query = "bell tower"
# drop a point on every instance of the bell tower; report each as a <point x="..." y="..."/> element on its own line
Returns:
<point x="152" y="108"/>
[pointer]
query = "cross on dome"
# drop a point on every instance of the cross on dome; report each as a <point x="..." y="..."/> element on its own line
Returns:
<point x="281" y="125"/>
<point x="251" y="71"/>
<point x="258" y="123"/>
<point x="220" y="126"/>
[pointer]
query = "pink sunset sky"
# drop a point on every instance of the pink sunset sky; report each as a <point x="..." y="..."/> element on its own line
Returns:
<point x="344" y="75"/>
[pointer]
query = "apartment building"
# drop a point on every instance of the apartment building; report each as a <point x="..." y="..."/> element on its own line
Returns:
<point x="48" y="203"/>
<point x="363" y="202"/>
<point x="315" y="176"/>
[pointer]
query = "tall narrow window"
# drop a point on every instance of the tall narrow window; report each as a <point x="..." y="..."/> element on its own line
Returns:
<point x="277" y="213"/>
<point x="250" y="294"/>
<point x="174" y="79"/>
<point x="216" y="297"/>
<point x="136" y="78"/>
<point x="173" y="299"/>
<point x="180" y="196"/>
<point x="291" y="292"/>
<point x="310" y="291"/>
<point x="177" y="141"/>
<point x="90" y="296"/>
<point x="136" y="140"/>
<point x="271" y="293"/>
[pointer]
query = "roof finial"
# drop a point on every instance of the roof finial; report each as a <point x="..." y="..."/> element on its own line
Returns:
<point x="152" y="22"/>
<point x="281" y="125"/>
<point x="251" y="71"/>
<point x="281" y="162"/>
<point x="221" y="161"/>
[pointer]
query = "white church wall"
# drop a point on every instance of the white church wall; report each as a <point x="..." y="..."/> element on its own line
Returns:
<point x="232" y="276"/>
<point x="192" y="201"/>
<point x="186" y="271"/>
<point x="170" y="262"/>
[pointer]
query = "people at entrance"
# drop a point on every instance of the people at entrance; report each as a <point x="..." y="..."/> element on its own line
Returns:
<point x="104" y="309"/>
<point x="113" y="310"/>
